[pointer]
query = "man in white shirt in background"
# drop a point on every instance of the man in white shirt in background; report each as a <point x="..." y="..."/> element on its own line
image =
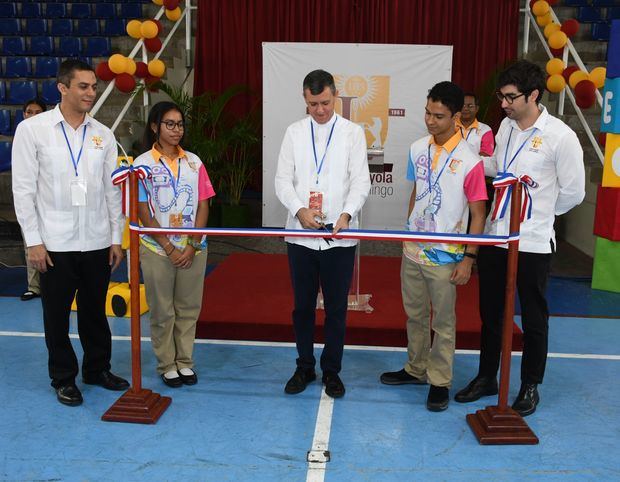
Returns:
<point x="323" y="180"/>
<point x="530" y="142"/>
<point x="477" y="134"/>
<point x="70" y="214"/>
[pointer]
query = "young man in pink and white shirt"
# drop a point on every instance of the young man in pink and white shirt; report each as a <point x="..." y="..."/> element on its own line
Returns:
<point x="448" y="185"/>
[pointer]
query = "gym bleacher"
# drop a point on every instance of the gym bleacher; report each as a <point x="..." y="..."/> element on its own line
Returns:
<point x="36" y="36"/>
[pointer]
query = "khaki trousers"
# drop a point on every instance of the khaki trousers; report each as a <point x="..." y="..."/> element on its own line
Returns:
<point x="175" y="297"/>
<point x="424" y="288"/>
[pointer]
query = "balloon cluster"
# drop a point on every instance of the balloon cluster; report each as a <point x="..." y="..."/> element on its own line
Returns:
<point x="123" y="69"/>
<point x="173" y="11"/>
<point x="584" y="84"/>
<point x="148" y="31"/>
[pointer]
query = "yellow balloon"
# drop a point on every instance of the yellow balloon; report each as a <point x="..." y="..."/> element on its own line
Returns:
<point x="156" y="68"/>
<point x="117" y="63"/>
<point x="550" y="28"/>
<point x="158" y="2"/>
<point x="173" y="15"/>
<point x="597" y="76"/>
<point x="576" y="77"/>
<point x="544" y="20"/>
<point x="556" y="83"/>
<point x="134" y="29"/>
<point x="540" y="8"/>
<point x="558" y="40"/>
<point x="555" y="66"/>
<point x="149" y="29"/>
<point x="131" y="67"/>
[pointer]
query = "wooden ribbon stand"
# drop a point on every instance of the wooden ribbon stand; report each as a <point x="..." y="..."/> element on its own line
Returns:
<point x="136" y="405"/>
<point x="500" y="424"/>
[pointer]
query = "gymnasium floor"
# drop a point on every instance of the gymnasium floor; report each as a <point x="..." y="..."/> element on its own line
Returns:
<point x="237" y="423"/>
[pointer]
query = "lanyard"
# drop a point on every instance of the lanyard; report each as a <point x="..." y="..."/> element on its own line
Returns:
<point x="430" y="170"/>
<point x="75" y="162"/>
<point x="318" y="166"/>
<point x="173" y="183"/>
<point x="468" y="133"/>
<point x="518" y="150"/>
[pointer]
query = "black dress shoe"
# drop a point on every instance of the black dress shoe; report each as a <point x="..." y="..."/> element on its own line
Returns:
<point x="175" y="382"/>
<point x="333" y="385"/>
<point x="69" y="395"/>
<point x="527" y="400"/>
<point x="400" y="377"/>
<point x="188" y="379"/>
<point x="300" y="379"/>
<point x="29" y="295"/>
<point x="477" y="388"/>
<point x="438" y="398"/>
<point x="106" y="379"/>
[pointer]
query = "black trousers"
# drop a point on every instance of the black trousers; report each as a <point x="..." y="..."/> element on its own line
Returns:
<point x="333" y="269"/>
<point x="532" y="275"/>
<point x="88" y="273"/>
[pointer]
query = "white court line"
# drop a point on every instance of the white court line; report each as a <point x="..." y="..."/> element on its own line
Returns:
<point x="317" y="460"/>
<point x="278" y="344"/>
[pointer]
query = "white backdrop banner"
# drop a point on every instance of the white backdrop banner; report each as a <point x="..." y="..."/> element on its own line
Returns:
<point x="382" y="88"/>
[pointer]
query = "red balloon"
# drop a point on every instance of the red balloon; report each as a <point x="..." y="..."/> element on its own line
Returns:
<point x="150" y="81"/>
<point x="103" y="72"/>
<point x="602" y="138"/>
<point x="142" y="70"/>
<point x="557" y="52"/>
<point x="171" y="4"/>
<point x="585" y="88"/>
<point x="568" y="71"/>
<point x="585" y="101"/>
<point x="153" y="45"/>
<point x="570" y="27"/>
<point x="125" y="83"/>
<point x="552" y="2"/>
<point x="160" y="27"/>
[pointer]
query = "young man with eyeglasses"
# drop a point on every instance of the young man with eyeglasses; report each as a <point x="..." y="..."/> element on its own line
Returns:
<point x="530" y="142"/>
<point x="476" y="133"/>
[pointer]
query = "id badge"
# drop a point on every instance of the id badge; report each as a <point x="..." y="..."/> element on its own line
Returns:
<point x="78" y="192"/>
<point x="175" y="220"/>
<point x="316" y="200"/>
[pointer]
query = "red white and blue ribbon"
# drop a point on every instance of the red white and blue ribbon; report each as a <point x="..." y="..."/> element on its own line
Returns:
<point x="504" y="184"/>
<point x="121" y="177"/>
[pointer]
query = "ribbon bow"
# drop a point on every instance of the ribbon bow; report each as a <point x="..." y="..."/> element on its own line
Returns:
<point x="503" y="184"/>
<point x="120" y="177"/>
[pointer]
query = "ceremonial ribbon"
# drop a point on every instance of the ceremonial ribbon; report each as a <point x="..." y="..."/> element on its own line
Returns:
<point x="120" y="177"/>
<point x="504" y="184"/>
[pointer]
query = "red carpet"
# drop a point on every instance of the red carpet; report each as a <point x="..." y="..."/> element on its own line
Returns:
<point x="249" y="297"/>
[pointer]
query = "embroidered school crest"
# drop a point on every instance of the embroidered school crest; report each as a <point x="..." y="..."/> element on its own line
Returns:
<point x="536" y="142"/>
<point x="454" y="165"/>
<point x="97" y="141"/>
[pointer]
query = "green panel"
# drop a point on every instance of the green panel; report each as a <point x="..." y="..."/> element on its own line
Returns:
<point x="606" y="273"/>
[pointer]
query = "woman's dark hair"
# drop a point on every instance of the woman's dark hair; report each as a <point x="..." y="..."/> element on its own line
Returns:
<point x="526" y="76"/>
<point x="449" y="94"/>
<point x="36" y="101"/>
<point x="155" y="116"/>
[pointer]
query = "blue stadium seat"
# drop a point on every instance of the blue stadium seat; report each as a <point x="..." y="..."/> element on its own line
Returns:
<point x="5" y="122"/>
<point x="80" y="10"/>
<point x="8" y="10"/>
<point x="97" y="47"/>
<point x="55" y="10"/>
<point x="588" y="15"/>
<point x="47" y="67"/>
<point x="576" y="3"/>
<point x="2" y="91"/>
<point x="10" y="26"/>
<point x="49" y="92"/>
<point x="613" y="13"/>
<point x="18" y="67"/>
<point x="105" y="10"/>
<point x="600" y="31"/>
<point x="114" y="27"/>
<point x="69" y="47"/>
<point x="31" y="10"/>
<point x="5" y="156"/>
<point x="21" y="91"/>
<point x="19" y="116"/>
<point x="41" y="46"/>
<point x="131" y="10"/>
<point x="13" y="46"/>
<point x="605" y="3"/>
<point x="87" y="27"/>
<point x="36" y="26"/>
<point x="62" y="27"/>
<point x="87" y="60"/>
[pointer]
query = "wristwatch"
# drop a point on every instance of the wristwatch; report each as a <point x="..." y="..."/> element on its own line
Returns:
<point x="194" y="244"/>
<point x="470" y="255"/>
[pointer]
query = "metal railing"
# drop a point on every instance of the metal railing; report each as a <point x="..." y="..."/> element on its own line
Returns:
<point x="185" y="16"/>
<point x="528" y="19"/>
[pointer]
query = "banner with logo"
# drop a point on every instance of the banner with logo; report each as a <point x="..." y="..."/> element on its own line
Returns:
<point x="382" y="88"/>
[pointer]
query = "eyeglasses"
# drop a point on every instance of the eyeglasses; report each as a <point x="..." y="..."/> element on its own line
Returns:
<point x="470" y="106"/>
<point x="170" y="125"/>
<point x="509" y="98"/>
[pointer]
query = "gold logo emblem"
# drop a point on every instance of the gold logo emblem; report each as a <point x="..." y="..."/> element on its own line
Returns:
<point x="97" y="141"/>
<point x="536" y="142"/>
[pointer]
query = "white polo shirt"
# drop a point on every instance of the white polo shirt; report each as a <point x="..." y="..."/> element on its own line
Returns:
<point x="478" y="135"/>
<point x="552" y="156"/>
<point x="42" y="173"/>
<point x="343" y="179"/>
